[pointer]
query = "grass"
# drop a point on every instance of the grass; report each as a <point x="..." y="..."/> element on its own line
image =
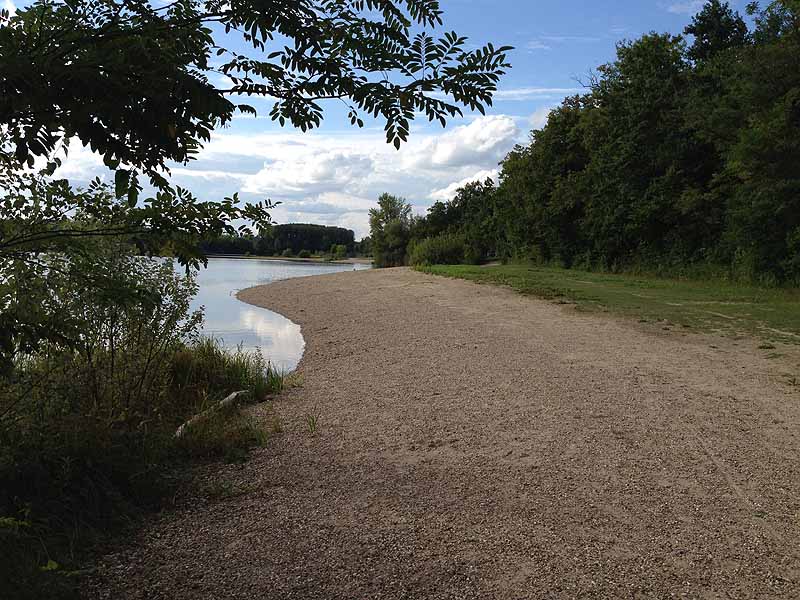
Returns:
<point x="312" y="421"/>
<point x="76" y="467"/>
<point x="771" y="314"/>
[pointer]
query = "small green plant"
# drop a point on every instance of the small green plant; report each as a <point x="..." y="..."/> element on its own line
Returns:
<point x="287" y="253"/>
<point x="304" y="254"/>
<point x="766" y="346"/>
<point x="312" y="421"/>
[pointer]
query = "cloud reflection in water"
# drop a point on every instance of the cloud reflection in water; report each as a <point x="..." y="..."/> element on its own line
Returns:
<point x="237" y="323"/>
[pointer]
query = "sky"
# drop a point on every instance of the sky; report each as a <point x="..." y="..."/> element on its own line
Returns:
<point x="334" y="175"/>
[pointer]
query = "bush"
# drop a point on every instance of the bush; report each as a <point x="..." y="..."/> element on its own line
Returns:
<point x="87" y="425"/>
<point x="445" y="249"/>
<point x="304" y="254"/>
<point x="338" y="251"/>
<point x="287" y="253"/>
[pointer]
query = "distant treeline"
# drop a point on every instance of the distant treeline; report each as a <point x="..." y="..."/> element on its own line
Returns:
<point x="293" y="238"/>
<point x="679" y="155"/>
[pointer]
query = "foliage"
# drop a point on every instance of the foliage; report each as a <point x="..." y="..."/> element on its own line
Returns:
<point x="338" y="251"/>
<point x="47" y="227"/>
<point x="299" y="236"/>
<point x="304" y="254"/>
<point x="390" y="230"/>
<point x="468" y="217"/>
<point x="363" y="247"/>
<point x="87" y="422"/>
<point x="443" y="249"/>
<point x="716" y="28"/>
<point x="277" y="238"/>
<point x="374" y="55"/>
<point x="675" y="156"/>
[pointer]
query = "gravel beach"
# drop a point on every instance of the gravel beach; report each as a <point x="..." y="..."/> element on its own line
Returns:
<point x="475" y="443"/>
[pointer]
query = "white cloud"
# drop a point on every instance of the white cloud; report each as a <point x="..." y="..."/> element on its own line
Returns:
<point x="333" y="177"/>
<point x="582" y="39"/>
<point x="80" y="163"/>
<point x="686" y="8"/>
<point x="207" y="175"/>
<point x="537" y="45"/>
<point x="9" y="6"/>
<point x="531" y="93"/>
<point x="485" y="139"/>
<point x="449" y="192"/>
<point x="310" y="173"/>
<point x="539" y="118"/>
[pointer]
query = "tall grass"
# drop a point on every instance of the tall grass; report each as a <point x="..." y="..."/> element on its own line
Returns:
<point x="77" y="463"/>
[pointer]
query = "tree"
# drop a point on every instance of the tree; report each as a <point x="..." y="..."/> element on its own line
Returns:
<point x="390" y="230"/>
<point x="716" y="28"/>
<point x="132" y="79"/>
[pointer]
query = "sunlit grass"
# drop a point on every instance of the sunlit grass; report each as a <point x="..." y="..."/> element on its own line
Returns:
<point x="708" y="305"/>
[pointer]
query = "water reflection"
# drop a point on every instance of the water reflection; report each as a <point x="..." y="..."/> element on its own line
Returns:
<point x="236" y="323"/>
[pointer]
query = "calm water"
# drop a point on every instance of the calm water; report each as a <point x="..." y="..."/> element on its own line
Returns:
<point x="235" y="322"/>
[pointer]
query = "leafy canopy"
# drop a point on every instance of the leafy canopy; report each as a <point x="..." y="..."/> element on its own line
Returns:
<point x="137" y="81"/>
<point x="716" y="28"/>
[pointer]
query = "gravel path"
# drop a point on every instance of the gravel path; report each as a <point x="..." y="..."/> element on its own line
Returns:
<point x="475" y="443"/>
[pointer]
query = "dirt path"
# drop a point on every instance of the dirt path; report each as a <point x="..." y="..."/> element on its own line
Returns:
<point x="474" y="443"/>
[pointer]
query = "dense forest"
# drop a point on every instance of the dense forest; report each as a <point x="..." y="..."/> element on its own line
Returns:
<point x="290" y="239"/>
<point x="682" y="156"/>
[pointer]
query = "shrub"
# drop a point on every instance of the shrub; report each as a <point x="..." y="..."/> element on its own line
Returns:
<point x="445" y="249"/>
<point x="338" y="251"/>
<point x="304" y="254"/>
<point x="87" y="425"/>
<point x="287" y="253"/>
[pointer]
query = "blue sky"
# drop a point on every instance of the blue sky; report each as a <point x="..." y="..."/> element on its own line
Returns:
<point x="333" y="175"/>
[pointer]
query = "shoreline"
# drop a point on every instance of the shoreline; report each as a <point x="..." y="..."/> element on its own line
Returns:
<point x="472" y="442"/>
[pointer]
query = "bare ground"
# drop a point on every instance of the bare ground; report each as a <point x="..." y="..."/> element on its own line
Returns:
<point x="475" y="443"/>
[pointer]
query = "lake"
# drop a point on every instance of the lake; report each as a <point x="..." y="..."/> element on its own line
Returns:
<point x="236" y="323"/>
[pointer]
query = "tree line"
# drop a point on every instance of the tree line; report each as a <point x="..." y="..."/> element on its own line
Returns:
<point x="683" y="154"/>
<point x="289" y="239"/>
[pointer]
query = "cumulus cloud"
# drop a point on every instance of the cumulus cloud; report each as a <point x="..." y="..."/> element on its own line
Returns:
<point x="310" y="173"/>
<point x="333" y="177"/>
<point x="485" y="139"/>
<point x="449" y="192"/>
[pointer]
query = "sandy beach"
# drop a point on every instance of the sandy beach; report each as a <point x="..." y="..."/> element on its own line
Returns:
<point x="475" y="443"/>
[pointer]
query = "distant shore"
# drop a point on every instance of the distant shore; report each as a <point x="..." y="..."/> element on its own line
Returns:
<point x="313" y="259"/>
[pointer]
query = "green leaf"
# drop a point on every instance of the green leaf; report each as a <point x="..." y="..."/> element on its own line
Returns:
<point x="121" y="182"/>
